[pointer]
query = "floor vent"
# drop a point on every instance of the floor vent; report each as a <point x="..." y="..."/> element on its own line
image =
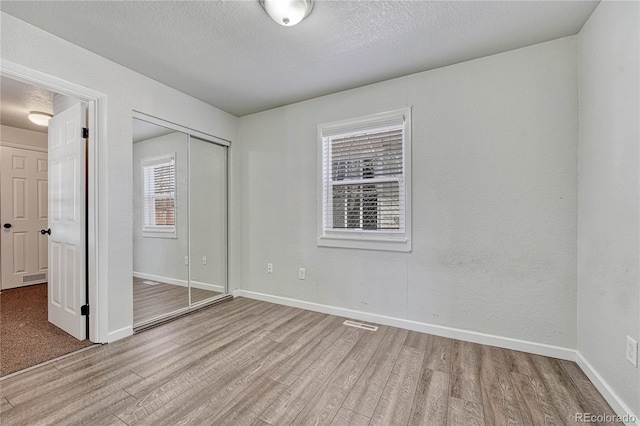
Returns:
<point x="35" y="277"/>
<point x="150" y="282"/>
<point x="360" y="325"/>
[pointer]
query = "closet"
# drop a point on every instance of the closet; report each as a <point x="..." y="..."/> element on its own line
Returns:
<point x="179" y="220"/>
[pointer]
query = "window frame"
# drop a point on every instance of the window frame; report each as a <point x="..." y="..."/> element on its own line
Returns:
<point x="390" y="240"/>
<point x="159" y="231"/>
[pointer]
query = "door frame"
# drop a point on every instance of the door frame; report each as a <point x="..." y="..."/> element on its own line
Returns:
<point x="96" y="255"/>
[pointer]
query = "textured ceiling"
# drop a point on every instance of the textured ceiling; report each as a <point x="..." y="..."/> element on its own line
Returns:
<point x="231" y="55"/>
<point x="18" y="99"/>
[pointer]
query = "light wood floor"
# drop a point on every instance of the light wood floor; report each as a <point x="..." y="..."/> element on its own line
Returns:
<point x="247" y="362"/>
<point x="152" y="301"/>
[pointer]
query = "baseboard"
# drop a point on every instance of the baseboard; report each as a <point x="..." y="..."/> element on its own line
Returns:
<point x="182" y="283"/>
<point x="207" y="286"/>
<point x="119" y="334"/>
<point x="158" y="278"/>
<point x="607" y="392"/>
<point x="438" y="330"/>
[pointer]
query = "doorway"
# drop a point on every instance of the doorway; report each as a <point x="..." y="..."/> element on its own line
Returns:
<point x="25" y="271"/>
<point x="179" y="220"/>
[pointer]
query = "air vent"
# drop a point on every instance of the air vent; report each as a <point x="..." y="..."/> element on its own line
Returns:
<point x="34" y="277"/>
<point x="360" y="325"/>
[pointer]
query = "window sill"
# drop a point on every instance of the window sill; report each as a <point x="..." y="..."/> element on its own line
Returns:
<point x="160" y="234"/>
<point x="370" y="243"/>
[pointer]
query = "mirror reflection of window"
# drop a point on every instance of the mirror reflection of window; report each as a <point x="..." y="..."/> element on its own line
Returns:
<point x="159" y="194"/>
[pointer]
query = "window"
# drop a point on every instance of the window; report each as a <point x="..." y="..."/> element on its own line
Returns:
<point x="365" y="182"/>
<point x="159" y="196"/>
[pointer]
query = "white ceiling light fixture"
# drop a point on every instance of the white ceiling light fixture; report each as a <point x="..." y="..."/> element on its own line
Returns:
<point x="287" y="12"/>
<point x="39" y="118"/>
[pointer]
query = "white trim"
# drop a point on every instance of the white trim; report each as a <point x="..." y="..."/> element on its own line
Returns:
<point x="21" y="146"/>
<point x="438" y="330"/>
<point x="601" y="385"/>
<point x="207" y="286"/>
<point x="182" y="283"/>
<point x="374" y="240"/>
<point x="97" y="251"/>
<point x="169" y="124"/>
<point x="161" y="279"/>
<point x="607" y="392"/>
<point x="120" y="334"/>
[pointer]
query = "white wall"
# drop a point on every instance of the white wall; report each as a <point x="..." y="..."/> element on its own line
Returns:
<point x="14" y="135"/>
<point x="608" y="198"/>
<point x="494" y="199"/>
<point x="162" y="257"/>
<point x="126" y="91"/>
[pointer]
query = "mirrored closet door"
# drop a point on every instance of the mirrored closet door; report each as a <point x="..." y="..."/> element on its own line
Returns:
<point x="179" y="221"/>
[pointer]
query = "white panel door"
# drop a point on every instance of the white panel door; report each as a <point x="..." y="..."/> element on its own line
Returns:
<point x="67" y="165"/>
<point x="23" y="213"/>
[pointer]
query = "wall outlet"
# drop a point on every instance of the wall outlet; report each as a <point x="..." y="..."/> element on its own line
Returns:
<point x="186" y="260"/>
<point x="632" y="351"/>
<point x="204" y="260"/>
<point x="302" y="274"/>
<point x="270" y="268"/>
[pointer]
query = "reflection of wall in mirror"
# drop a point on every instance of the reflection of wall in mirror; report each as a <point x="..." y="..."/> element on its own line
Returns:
<point x="161" y="259"/>
<point x="208" y="215"/>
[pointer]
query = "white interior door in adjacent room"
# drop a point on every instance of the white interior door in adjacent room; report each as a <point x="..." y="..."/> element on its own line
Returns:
<point x="23" y="213"/>
<point x="67" y="220"/>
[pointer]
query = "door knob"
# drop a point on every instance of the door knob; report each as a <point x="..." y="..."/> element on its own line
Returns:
<point x="7" y="225"/>
<point x="45" y="231"/>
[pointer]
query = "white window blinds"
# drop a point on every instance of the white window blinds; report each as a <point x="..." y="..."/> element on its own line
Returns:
<point x="363" y="174"/>
<point x="159" y="193"/>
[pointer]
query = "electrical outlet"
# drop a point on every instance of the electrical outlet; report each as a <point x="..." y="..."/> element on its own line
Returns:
<point x="632" y="351"/>
<point x="302" y="274"/>
<point x="204" y="260"/>
<point x="186" y="260"/>
<point x="270" y="268"/>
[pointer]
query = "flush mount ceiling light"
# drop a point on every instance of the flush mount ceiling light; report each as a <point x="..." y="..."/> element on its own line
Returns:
<point x="39" y="118"/>
<point x="287" y="12"/>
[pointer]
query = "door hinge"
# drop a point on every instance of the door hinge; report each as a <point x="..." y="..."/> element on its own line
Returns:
<point x="84" y="310"/>
<point x="85" y="132"/>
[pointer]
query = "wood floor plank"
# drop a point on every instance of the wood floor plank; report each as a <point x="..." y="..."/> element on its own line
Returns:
<point x="231" y="319"/>
<point x="289" y="404"/>
<point x="587" y="392"/>
<point x="5" y="405"/>
<point x="299" y="361"/>
<point x="520" y="362"/>
<point x="248" y="409"/>
<point x="535" y="406"/>
<point x="213" y="395"/>
<point x="395" y="403"/>
<point x="363" y="398"/>
<point x="248" y="362"/>
<point x="431" y="398"/>
<point x="26" y="381"/>
<point x="560" y="388"/>
<point x="108" y="421"/>
<point x="348" y="417"/>
<point x="163" y="394"/>
<point x="69" y="385"/>
<point x="465" y="371"/>
<point x="464" y="413"/>
<point x="437" y="349"/>
<point x="498" y="394"/>
<point x="329" y="398"/>
<point x="52" y="409"/>
<point x="438" y="354"/>
<point x="101" y="410"/>
<point x="195" y="350"/>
